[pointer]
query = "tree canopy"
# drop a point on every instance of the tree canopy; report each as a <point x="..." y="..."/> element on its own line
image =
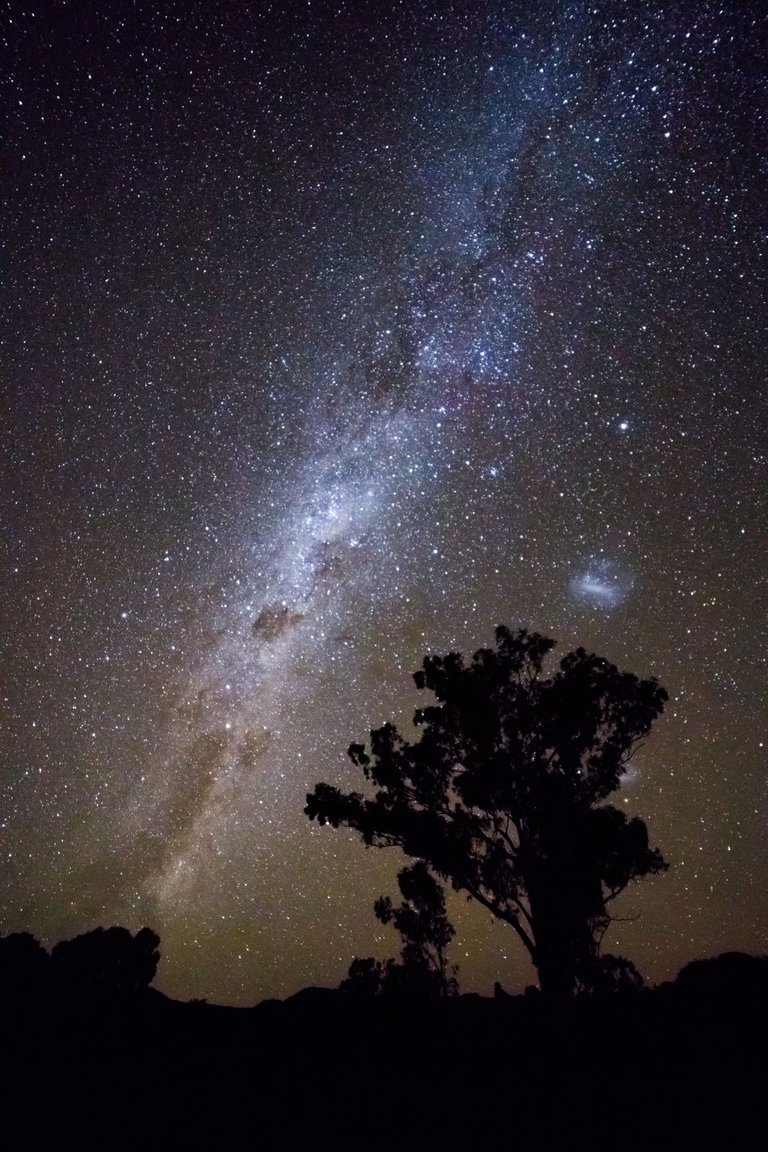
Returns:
<point x="504" y="793"/>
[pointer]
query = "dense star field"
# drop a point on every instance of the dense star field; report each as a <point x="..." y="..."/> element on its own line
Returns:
<point x="334" y="334"/>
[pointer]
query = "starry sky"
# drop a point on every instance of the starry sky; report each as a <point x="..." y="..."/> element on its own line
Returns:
<point x="332" y="335"/>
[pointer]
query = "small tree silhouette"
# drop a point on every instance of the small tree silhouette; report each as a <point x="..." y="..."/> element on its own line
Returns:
<point x="609" y="974"/>
<point x="107" y="961"/>
<point x="24" y="967"/>
<point x="426" y="932"/>
<point x="367" y="977"/>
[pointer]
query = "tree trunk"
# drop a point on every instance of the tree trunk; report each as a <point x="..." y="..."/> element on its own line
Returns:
<point x="557" y="953"/>
<point x="557" y="978"/>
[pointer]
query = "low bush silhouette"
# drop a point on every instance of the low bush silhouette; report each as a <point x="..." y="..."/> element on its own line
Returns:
<point x="106" y="961"/>
<point x="25" y="966"/>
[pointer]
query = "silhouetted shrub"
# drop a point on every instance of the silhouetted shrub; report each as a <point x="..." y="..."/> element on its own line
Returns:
<point x="731" y="976"/>
<point x="366" y="977"/>
<point x="24" y="966"/>
<point x="107" y="961"/>
<point x="608" y="974"/>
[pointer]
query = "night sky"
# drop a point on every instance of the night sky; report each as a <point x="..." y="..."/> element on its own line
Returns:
<point x="334" y="334"/>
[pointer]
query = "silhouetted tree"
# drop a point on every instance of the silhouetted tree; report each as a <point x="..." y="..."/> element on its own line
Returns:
<point x="504" y="793"/>
<point x="107" y="961"/>
<point x="24" y="966"/>
<point x="425" y="930"/>
<point x="610" y="973"/>
<point x="730" y="976"/>
<point x="366" y="977"/>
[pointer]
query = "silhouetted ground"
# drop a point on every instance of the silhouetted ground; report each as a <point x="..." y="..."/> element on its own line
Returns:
<point x="681" y="1067"/>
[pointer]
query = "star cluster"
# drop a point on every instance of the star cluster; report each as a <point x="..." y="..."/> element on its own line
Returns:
<point x="334" y="334"/>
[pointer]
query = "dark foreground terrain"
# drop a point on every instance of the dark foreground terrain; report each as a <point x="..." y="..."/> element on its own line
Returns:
<point x="680" y="1067"/>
